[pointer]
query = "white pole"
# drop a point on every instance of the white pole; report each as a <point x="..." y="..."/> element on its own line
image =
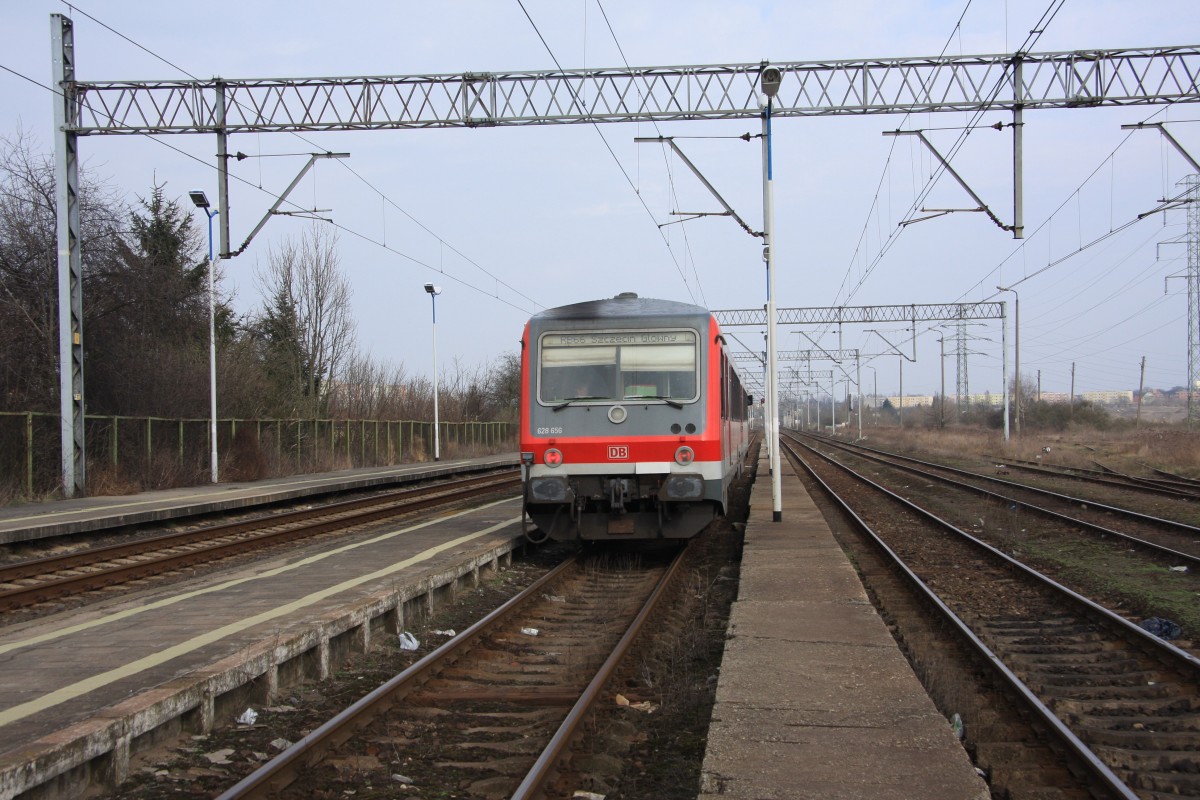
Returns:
<point x="858" y="380"/>
<point x="437" y="453"/>
<point x="212" y="350"/>
<point x="772" y="354"/>
<point x="212" y="363"/>
<point x="1004" y="362"/>
<point x="833" y="403"/>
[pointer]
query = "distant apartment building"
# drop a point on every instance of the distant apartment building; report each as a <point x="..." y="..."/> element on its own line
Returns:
<point x="1108" y="398"/>
<point x="910" y="400"/>
<point x="996" y="399"/>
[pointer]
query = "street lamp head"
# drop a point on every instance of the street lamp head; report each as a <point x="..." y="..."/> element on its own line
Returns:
<point x="769" y="79"/>
<point x="199" y="198"/>
<point x="429" y="287"/>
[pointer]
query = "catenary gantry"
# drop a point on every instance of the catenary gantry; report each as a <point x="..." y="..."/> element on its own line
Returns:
<point x="221" y="106"/>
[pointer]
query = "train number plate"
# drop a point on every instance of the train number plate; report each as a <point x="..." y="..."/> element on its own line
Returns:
<point x="620" y="526"/>
<point x="618" y="452"/>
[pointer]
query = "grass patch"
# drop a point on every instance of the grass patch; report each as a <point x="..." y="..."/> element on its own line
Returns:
<point x="1122" y="580"/>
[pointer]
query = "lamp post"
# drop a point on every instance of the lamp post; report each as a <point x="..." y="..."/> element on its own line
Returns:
<point x="1016" y="358"/>
<point x="875" y="394"/>
<point x="434" y="291"/>
<point x="942" y="399"/>
<point x="201" y="201"/>
<point x="769" y="79"/>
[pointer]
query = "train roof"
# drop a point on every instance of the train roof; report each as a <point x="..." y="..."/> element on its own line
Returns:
<point x="624" y="305"/>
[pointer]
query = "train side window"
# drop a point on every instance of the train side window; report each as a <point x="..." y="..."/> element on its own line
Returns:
<point x="724" y="386"/>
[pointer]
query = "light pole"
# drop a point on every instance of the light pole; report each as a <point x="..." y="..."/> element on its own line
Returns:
<point x="434" y="291"/>
<point x="1016" y="358"/>
<point x="769" y="80"/>
<point x="942" y="399"/>
<point x="875" y="395"/>
<point x="201" y="201"/>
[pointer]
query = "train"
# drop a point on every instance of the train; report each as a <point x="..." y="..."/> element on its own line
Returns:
<point x="633" y="420"/>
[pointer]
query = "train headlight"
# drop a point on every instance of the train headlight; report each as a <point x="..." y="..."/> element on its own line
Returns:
<point x="682" y="486"/>
<point x="553" y="457"/>
<point x="684" y="456"/>
<point x="549" y="490"/>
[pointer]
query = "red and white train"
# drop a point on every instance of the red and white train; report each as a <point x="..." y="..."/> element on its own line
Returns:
<point x="633" y="420"/>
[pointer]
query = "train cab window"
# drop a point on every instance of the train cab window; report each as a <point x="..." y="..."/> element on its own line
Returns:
<point x="577" y="372"/>
<point x="659" y="370"/>
<point x="622" y="365"/>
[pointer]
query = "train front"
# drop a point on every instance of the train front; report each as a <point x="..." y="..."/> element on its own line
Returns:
<point x="619" y="433"/>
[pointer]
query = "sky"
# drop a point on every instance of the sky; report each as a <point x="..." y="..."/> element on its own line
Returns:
<point x="510" y="221"/>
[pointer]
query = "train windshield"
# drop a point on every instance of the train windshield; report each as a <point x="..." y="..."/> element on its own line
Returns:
<point x="618" y="365"/>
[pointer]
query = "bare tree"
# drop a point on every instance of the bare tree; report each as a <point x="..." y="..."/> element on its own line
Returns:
<point x="307" y="323"/>
<point x="29" y="269"/>
<point x="368" y="389"/>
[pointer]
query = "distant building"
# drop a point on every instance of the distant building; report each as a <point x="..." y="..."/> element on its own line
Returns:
<point x="1110" y="398"/>
<point x="986" y="399"/>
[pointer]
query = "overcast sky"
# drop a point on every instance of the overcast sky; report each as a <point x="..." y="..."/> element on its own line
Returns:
<point x="521" y="219"/>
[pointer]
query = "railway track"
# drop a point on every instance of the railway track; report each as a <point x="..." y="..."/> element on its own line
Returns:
<point x="494" y="711"/>
<point x="1173" y="486"/>
<point x="27" y="583"/>
<point x="1170" y="542"/>
<point x="1115" y="705"/>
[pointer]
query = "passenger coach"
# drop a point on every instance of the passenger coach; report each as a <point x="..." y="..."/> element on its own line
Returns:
<point x="633" y="419"/>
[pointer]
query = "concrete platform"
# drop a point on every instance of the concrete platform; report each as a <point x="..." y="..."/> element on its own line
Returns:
<point x="815" y="699"/>
<point x="79" y="515"/>
<point x="84" y="692"/>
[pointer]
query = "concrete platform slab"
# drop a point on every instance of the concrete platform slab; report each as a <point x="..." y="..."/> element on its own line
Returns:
<point x="815" y="699"/>
<point x="82" y="689"/>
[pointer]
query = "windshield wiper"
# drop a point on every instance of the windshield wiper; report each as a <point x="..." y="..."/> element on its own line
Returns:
<point x="667" y="400"/>
<point x="566" y="403"/>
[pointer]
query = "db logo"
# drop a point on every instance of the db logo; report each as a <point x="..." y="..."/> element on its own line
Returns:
<point x="618" y="452"/>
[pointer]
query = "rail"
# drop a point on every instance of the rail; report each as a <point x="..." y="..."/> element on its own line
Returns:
<point x="59" y="576"/>
<point x="274" y="776"/>
<point x="1132" y="639"/>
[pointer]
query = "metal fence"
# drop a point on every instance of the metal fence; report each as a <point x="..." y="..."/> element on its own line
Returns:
<point x="134" y="453"/>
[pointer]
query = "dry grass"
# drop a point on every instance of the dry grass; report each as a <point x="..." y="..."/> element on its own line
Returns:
<point x="1174" y="449"/>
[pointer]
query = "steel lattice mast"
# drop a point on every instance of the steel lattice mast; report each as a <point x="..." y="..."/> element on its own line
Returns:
<point x="961" y="385"/>
<point x="1193" y="297"/>
<point x="1013" y="82"/>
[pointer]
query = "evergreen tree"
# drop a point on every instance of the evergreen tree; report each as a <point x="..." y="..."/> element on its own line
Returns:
<point x="147" y="349"/>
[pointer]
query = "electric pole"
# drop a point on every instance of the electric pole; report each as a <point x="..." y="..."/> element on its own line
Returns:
<point x="1141" y="387"/>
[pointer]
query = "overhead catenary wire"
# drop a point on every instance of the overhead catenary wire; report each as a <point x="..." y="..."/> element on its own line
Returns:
<point x="1023" y="247"/>
<point x="687" y="243"/>
<point x="607" y="146"/>
<point x="306" y="140"/>
<point x="295" y="206"/>
<point x="1034" y="34"/>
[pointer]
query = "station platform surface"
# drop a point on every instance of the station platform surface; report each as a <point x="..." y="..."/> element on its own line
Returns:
<point x="84" y="690"/>
<point x="79" y="515"/>
<point x="815" y="699"/>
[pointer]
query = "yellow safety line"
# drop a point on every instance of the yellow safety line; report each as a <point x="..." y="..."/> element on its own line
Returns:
<point x="168" y="601"/>
<point x="80" y="688"/>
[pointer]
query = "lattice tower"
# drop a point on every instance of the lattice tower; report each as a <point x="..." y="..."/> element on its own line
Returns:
<point x="961" y="389"/>
<point x="1193" y="297"/>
